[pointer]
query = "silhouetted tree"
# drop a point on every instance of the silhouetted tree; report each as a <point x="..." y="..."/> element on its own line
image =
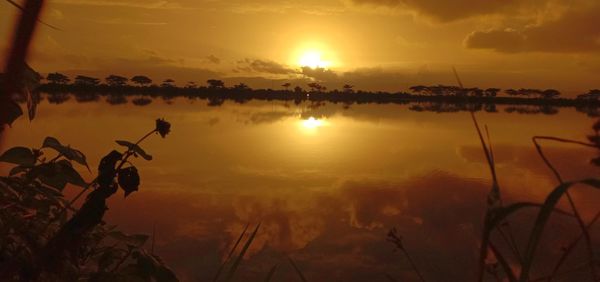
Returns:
<point x="348" y="88"/>
<point x="550" y="93"/>
<point x="142" y="101"/>
<point x="86" y="80"/>
<point x="476" y="92"/>
<point x="593" y="94"/>
<point x="241" y="87"/>
<point x="491" y="92"/>
<point x="511" y="92"/>
<point x="298" y="90"/>
<point x="141" y="80"/>
<point x="419" y="89"/>
<point x="286" y="85"/>
<point x="168" y="83"/>
<point x="116" y="99"/>
<point x="191" y="85"/>
<point x="215" y="83"/>
<point x="315" y="87"/>
<point x="57" y="78"/>
<point x="116" y="80"/>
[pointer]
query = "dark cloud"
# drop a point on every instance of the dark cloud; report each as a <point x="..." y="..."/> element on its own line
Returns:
<point x="320" y="74"/>
<point x="263" y="66"/>
<point x="446" y="10"/>
<point x="213" y="59"/>
<point x="575" y="31"/>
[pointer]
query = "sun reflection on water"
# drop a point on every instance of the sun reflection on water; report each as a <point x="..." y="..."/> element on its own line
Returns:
<point x="312" y="123"/>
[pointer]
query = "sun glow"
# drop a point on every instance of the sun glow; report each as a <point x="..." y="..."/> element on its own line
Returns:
<point x="313" y="59"/>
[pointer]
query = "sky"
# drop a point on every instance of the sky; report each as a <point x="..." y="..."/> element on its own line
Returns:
<point x="386" y="45"/>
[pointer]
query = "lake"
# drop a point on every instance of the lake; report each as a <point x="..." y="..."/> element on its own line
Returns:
<point x="326" y="181"/>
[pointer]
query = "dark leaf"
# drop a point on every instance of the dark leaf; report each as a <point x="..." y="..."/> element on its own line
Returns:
<point x="58" y="174"/>
<point x="19" y="155"/>
<point x="11" y="111"/>
<point x="33" y="99"/>
<point x="129" y="180"/>
<point x="71" y="175"/>
<point x="18" y="169"/>
<point x="135" y="148"/>
<point x="68" y="152"/>
<point x="49" y="176"/>
<point x="106" y="168"/>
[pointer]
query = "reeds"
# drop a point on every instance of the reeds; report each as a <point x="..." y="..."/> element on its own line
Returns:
<point x="498" y="214"/>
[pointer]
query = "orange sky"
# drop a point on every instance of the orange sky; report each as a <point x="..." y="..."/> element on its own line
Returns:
<point x="373" y="44"/>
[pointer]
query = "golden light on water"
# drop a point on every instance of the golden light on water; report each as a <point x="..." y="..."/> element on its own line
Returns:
<point x="312" y="123"/>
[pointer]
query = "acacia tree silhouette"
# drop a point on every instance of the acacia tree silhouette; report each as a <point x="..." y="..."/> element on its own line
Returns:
<point x="141" y="80"/>
<point x="57" y="78"/>
<point x="116" y="80"/>
<point x="215" y="83"/>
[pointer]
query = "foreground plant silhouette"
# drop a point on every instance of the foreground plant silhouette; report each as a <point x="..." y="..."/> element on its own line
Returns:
<point x="43" y="243"/>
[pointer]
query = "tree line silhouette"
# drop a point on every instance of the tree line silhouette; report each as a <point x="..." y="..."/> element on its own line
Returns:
<point x="217" y="92"/>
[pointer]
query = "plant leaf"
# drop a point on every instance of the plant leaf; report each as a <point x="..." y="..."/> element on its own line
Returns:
<point x="135" y="148"/>
<point x="71" y="175"/>
<point x="129" y="180"/>
<point x="238" y="260"/>
<point x="297" y="270"/>
<point x="68" y="152"/>
<point x="17" y="169"/>
<point x="542" y="218"/>
<point x="18" y="155"/>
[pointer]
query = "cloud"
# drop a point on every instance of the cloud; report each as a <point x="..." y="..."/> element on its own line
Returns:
<point x="446" y="11"/>
<point x="320" y="74"/>
<point x="213" y="59"/>
<point x="129" y="4"/>
<point x="575" y="31"/>
<point x="263" y="66"/>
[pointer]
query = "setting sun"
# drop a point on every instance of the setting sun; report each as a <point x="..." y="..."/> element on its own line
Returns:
<point x="313" y="59"/>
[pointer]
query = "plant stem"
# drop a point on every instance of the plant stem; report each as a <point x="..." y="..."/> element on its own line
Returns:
<point x="412" y="263"/>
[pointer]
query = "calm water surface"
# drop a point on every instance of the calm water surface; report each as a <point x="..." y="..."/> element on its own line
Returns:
<point x="326" y="182"/>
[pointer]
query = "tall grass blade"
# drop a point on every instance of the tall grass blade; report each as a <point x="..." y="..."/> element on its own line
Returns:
<point x="23" y="9"/>
<point x="271" y="272"/>
<point x="542" y="219"/>
<point x="509" y="273"/>
<point x="582" y="225"/>
<point x="571" y="247"/>
<point x="238" y="260"/>
<point x="300" y="275"/>
<point x="230" y="253"/>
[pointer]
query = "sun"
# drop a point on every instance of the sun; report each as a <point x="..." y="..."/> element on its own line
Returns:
<point x="313" y="59"/>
